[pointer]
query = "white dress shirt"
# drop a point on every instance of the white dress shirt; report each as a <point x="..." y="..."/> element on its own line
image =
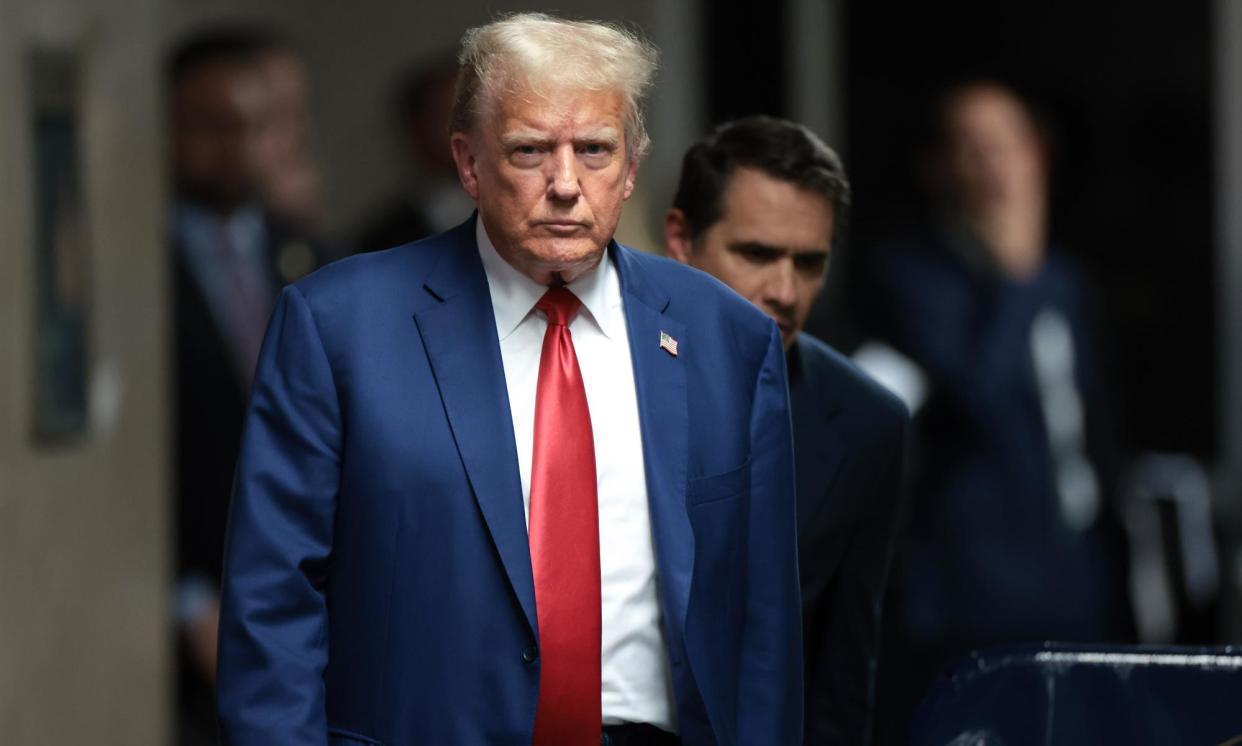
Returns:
<point x="636" y="685"/>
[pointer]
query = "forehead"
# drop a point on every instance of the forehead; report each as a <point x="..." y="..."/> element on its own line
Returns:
<point x="986" y="109"/>
<point x="761" y="208"/>
<point x="220" y="83"/>
<point x="557" y="112"/>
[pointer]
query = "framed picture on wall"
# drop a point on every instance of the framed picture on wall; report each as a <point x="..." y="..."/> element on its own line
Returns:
<point x="61" y="282"/>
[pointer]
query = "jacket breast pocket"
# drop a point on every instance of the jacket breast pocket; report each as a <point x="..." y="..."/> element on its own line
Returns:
<point x="718" y="487"/>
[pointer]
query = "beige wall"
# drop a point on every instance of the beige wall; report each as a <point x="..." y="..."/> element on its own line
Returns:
<point x="84" y="649"/>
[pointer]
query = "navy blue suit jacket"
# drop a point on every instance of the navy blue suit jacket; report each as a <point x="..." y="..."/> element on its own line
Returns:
<point x="990" y="558"/>
<point x="377" y="583"/>
<point x="849" y="445"/>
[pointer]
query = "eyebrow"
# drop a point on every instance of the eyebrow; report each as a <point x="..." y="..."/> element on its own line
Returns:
<point x="817" y="253"/>
<point x="523" y="137"/>
<point x="608" y="135"/>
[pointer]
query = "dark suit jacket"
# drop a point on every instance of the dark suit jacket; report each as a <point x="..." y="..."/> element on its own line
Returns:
<point x="377" y="582"/>
<point x="990" y="558"/>
<point x="210" y="404"/>
<point x="849" y="448"/>
<point x="209" y="407"/>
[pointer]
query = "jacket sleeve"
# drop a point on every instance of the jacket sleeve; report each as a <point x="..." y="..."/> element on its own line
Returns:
<point x="770" y="701"/>
<point x="274" y="620"/>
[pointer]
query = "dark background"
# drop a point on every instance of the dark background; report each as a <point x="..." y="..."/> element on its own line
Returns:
<point x="1124" y="93"/>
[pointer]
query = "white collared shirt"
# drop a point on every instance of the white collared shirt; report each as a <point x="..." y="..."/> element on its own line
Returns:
<point x="636" y="685"/>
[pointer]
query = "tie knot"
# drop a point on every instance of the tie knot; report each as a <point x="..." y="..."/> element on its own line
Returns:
<point x="560" y="305"/>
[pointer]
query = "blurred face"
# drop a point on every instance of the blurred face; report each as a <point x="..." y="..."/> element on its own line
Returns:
<point x="219" y="114"/>
<point x="994" y="157"/>
<point x="770" y="244"/>
<point x="425" y="132"/>
<point x="286" y="134"/>
<point x="549" y="179"/>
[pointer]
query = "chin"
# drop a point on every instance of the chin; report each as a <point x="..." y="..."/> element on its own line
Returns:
<point x="565" y="253"/>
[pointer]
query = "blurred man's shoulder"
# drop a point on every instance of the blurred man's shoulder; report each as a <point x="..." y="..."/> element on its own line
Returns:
<point x="833" y="374"/>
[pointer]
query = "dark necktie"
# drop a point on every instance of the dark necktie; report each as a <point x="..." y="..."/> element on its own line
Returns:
<point x="249" y="305"/>
<point x="564" y="539"/>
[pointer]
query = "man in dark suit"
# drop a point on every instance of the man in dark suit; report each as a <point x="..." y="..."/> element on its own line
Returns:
<point x="758" y="206"/>
<point x="517" y="483"/>
<point x="230" y="258"/>
<point x="1012" y="537"/>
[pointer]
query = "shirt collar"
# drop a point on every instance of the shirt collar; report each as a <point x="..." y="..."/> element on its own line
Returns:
<point x="514" y="295"/>
<point x="244" y="227"/>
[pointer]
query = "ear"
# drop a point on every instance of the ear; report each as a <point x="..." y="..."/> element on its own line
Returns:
<point x="677" y="240"/>
<point x="631" y="173"/>
<point x="465" y="157"/>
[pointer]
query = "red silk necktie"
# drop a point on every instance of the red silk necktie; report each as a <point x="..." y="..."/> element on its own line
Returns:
<point x="564" y="539"/>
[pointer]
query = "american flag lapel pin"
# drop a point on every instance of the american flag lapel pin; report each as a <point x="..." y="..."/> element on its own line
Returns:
<point x="668" y="344"/>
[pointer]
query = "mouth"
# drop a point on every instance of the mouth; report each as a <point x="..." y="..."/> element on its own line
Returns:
<point x="562" y="227"/>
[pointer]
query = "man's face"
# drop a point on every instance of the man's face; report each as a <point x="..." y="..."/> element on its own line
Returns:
<point x="994" y="156"/>
<point x="219" y="113"/>
<point x="549" y="178"/>
<point x="286" y="136"/>
<point x="770" y="244"/>
<point x="424" y="132"/>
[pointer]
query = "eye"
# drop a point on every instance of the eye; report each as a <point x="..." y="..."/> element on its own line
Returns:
<point x="757" y="253"/>
<point x="526" y="154"/>
<point x="595" y="153"/>
<point x="811" y="265"/>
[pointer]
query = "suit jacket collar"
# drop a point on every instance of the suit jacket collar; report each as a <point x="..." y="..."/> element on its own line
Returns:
<point x="660" y="380"/>
<point x="458" y="329"/>
<point x="806" y="377"/>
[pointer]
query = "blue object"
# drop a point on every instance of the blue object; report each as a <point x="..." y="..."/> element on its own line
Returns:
<point x="1066" y="695"/>
<point x="377" y="581"/>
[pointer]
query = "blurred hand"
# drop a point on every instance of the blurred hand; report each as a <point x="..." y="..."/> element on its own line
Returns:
<point x="202" y="640"/>
<point x="1014" y="239"/>
<point x="295" y="192"/>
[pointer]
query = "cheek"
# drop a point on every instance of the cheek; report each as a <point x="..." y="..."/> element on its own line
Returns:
<point x="611" y="185"/>
<point x="506" y="190"/>
<point x="743" y="276"/>
<point x="525" y="187"/>
<point x="808" y="290"/>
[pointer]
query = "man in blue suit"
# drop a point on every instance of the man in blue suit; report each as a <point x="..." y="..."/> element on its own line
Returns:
<point x="758" y="206"/>
<point x="517" y="483"/>
<point x="1012" y="535"/>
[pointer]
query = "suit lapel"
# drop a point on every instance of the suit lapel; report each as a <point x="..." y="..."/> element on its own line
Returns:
<point x="458" y="329"/>
<point x="818" y="452"/>
<point x="660" y="380"/>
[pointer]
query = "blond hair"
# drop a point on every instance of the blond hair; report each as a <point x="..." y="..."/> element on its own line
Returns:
<point x="541" y="55"/>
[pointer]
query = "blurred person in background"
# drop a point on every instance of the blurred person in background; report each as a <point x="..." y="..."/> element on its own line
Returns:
<point x="289" y="178"/>
<point x="759" y="205"/>
<point x="430" y="199"/>
<point x="1012" y="537"/>
<point x="230" y="257"/>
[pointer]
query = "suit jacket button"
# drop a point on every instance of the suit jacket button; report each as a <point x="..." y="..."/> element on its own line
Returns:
<point x="530" y="653"/>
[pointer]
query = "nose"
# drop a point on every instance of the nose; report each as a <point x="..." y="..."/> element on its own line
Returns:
<point x="781" y="289"/>
<point x="563" y="183"/>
